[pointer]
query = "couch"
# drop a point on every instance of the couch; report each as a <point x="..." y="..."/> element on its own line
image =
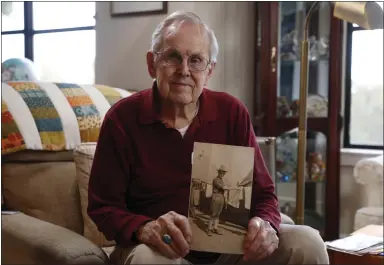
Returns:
<point x="44" y="184"/>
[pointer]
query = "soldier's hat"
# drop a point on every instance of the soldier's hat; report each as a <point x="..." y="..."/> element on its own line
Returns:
<point x="222" y="169"/>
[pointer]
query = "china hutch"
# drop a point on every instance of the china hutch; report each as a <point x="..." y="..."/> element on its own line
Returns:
<point x="279" y="27"/>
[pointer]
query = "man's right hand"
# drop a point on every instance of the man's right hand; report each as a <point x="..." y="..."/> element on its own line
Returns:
<point x="173" y="224"/>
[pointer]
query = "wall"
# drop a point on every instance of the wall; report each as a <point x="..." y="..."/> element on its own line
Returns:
<point x="122" y="43"/>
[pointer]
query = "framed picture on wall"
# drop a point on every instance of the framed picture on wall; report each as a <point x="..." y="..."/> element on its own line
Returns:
<point x="129" y="8"/>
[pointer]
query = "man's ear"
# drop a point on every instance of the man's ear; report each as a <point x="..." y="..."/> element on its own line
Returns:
<point x="151" y="64"/>
<point x="210" y="72"/>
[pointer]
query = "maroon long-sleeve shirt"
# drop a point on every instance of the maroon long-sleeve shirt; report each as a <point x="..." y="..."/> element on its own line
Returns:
<point x="142" y="169"/>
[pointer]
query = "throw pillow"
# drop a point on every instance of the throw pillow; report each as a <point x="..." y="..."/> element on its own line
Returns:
<point x="83" y="157"/>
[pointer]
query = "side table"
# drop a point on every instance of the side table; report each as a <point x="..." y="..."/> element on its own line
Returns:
<point x="337" y="257"/>
<point x="341" y="258"/>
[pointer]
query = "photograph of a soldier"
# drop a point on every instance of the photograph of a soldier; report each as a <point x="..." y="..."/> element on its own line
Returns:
<point x="220" y="195"/>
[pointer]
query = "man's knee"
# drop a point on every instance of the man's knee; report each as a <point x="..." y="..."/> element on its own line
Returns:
<point x="140" y="254"/>
<point x="304" y="243"/>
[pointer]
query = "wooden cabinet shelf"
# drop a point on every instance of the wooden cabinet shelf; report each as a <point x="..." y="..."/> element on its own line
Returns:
<point x="285" y="124"/>
<point x="313" y="124"/>
<point x="307" y="181"/>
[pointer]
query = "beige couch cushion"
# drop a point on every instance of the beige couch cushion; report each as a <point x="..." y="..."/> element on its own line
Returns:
<point x="47" y="191"/>
<point x="83" y="157"/>
<point x="38" y="156"/>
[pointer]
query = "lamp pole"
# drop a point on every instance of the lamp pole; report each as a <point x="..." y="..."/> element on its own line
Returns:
<point x="302" y="142"/>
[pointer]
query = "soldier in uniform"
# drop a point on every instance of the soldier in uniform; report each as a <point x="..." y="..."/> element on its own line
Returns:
<point x="217" y="202"/>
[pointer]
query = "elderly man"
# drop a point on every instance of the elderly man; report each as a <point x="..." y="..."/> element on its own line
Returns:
<point x="141" y="174"/>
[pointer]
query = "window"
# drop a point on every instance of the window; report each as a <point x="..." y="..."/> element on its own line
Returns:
<point x="59" y="37"/>
<point x="364" y="88"/>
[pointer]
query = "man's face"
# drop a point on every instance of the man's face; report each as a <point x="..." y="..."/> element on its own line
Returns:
<point x="178" y="83"/>
<point x="221" y="174"/>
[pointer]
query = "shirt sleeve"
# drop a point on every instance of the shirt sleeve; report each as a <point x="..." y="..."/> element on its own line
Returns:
<point x="108" y="185"/>
<point x="264" y="202"/>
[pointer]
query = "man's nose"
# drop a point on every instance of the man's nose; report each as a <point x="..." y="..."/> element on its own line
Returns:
<point x="184" y="68"/>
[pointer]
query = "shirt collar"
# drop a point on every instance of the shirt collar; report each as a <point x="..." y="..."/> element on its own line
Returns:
<point x="150" y="108"/>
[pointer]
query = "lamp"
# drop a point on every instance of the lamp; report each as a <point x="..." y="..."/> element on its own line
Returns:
<point x="367" y="15"/>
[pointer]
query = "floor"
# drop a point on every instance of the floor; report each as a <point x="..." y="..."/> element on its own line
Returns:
<point x="230" y="241"/>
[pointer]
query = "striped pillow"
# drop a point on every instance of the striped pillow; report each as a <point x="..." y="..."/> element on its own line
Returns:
<point x="53" y="116"/>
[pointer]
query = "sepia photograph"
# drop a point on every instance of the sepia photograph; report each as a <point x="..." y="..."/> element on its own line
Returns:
<point x="220" y="197"/>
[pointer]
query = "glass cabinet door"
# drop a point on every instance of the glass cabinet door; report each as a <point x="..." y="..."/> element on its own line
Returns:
<point x="291" y="25"/>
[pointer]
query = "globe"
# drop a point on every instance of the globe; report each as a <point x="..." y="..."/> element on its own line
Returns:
<point x="18" y="69"/>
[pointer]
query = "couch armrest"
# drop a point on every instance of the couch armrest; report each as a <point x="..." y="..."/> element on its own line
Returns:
<point x="28" y="240"/>
<point x="369" y="171"/>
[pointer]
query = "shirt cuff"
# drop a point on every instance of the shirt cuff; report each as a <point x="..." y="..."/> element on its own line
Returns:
<point x="129" y="232"/>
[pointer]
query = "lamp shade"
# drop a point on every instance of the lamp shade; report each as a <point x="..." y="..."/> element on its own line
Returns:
<point x="368" y="15"/>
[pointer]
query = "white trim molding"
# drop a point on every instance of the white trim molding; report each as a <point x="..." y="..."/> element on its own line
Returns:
<point x="350" y="156"/>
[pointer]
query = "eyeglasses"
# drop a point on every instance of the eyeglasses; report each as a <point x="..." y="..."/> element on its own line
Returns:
<point x="172" y="58"/>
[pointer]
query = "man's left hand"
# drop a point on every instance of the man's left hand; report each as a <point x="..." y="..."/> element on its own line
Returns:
<point x="261" y="240"/>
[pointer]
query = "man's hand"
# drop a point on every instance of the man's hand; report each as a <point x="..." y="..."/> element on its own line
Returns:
<point x="261" y="240"/>
<point x="173" y="224"/>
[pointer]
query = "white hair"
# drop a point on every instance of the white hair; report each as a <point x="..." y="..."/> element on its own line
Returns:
<point x="181" y="16"/>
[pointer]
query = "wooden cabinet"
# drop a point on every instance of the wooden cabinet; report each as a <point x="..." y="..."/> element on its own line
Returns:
<point x="279" y="30"/>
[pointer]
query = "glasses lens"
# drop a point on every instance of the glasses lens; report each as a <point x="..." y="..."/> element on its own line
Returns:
<point x="171" y="58"/>
<point x="197" y="63"/>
